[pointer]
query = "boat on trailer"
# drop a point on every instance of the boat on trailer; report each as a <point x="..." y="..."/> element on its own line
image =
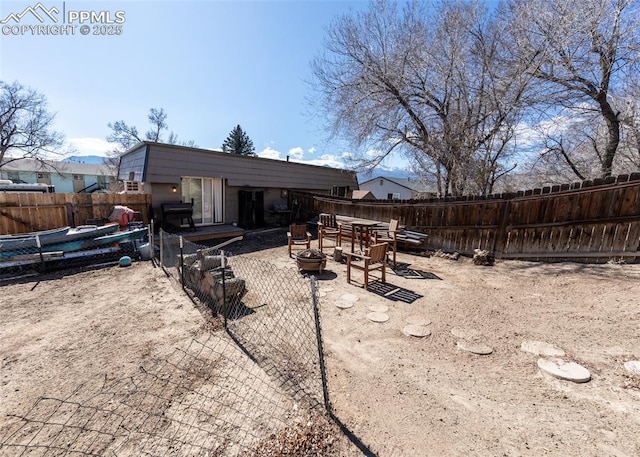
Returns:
<point x="43" y="234"/>
<point x="106" y="245"/>
<point x="97" y="242"/>
<point x="28" y="244"/>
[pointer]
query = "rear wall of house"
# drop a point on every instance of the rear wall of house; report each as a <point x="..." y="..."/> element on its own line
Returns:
<point x="166" y="164"/>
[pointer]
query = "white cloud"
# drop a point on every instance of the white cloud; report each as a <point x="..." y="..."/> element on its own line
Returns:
<point x="90" y="146"/>
<point x="296" y="153"/>
<point x="311" y="150"/>
<point x="327" y="160"/>
<point x="269" y="153"/>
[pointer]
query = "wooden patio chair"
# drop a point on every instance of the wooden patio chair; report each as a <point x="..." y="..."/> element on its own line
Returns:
<point x="328" y="228"/>
<point x="347" y="233"/>
<point x="375" y="258"/>
<point x="298" y="236"/>
<point x="389" y="236"/>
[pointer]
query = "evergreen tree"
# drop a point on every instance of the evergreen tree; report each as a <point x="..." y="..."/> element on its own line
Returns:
<point x="238" y="142"/>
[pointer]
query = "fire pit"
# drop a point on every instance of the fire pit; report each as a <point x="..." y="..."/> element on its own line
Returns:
<point x="311" y="260"/>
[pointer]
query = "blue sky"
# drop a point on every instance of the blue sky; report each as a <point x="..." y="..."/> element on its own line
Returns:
<point x="209" y="64"/>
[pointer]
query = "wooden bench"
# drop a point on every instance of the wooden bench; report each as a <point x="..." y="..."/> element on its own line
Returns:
<point x="412" y="240"/>
<point x="177" y="211"/>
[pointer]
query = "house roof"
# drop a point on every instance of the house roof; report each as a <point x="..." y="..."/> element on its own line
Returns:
<point x="159" y="163"/>
<point x="53" y="166"/>
<point x="363" y="195"/>
<point x="413" y="184"/>
<point x="220" y="152"/>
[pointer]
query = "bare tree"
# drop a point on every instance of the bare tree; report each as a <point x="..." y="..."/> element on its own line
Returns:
<point x="580" y="53"/>
<point x="26" y="126"/>
<point x="126" y="136"/>
<point x="630" y="117"/>
<point x="426" y="83"/>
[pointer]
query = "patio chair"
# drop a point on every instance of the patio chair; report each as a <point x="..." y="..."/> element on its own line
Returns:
<point x="328" y="228"/>
<point x="298" y="236"/>
<point x="388" y="236"/>
<point x="375" y="258"/>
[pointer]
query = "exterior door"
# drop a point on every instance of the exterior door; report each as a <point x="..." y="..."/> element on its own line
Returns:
<point x="251" y="209"/>
<point x="78" y="183"/>
<point x="206" y="194"/>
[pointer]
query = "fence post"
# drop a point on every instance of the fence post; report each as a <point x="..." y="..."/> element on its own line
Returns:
<point x="162" y="248"/>
<point x="182" y="263"/>
<point x="316" y="318"/>
<point x="39" y="245"/>
<point x="224" y="288"/>
<point x="152" y="250"/>
<point x="500" y="239"/>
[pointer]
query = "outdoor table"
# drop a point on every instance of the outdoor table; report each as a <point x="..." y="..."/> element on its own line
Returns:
<point x="360" y="228"/>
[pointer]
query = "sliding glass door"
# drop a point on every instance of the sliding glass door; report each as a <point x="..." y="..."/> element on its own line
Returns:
<point x="207" y="197"/>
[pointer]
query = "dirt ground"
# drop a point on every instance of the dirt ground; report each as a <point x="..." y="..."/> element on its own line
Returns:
<point x="400" y="395"/>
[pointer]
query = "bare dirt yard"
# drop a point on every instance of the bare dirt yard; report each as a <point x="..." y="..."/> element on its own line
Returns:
<point x="400" y="395"/>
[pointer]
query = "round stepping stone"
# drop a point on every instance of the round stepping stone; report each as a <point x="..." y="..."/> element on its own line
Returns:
<point x="418" y="320"/>
<point x="378" y="308"/>
<point x="419" y="331"/>
<point x="344" y="304"/>
<point x="474" y="348"/>
<point x="349" y="297"/>
<point x="378" y="317"/>
<point x="322" y="293"/>
<point x="633" y="367"/>
<point x="467" y="334"/>
<point x="327" y="289"/>
<point x="541" y="348"/>
<point x="561" y="369"/>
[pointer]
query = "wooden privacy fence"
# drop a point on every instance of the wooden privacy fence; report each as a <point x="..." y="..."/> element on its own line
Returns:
<point x="31" y="211"/>
<point x="592" y="221"/>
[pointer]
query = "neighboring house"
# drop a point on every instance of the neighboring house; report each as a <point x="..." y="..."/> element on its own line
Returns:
<point x="224" y="188"/>
<point x="385" y="188"/>
<point x="64" y="176"/>
<point x="363" y="195"/>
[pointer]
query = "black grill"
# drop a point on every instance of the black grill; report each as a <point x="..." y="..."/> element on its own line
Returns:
<point x="177" y="212"/>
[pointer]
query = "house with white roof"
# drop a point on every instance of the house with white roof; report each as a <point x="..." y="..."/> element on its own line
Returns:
<point x="388" y="188"/>
<point x="63" y="176"/>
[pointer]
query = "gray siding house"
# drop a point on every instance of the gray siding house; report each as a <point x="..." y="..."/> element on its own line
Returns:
<point x="224" y="188"/>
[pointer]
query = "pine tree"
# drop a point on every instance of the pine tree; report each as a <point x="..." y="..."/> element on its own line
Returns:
<point x="238" y="142"/>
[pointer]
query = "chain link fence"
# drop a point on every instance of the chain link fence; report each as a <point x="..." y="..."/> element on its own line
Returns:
<point x="256" y="389"/>
<point x="205" y="400"/>
<point x="272" y="313"/>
